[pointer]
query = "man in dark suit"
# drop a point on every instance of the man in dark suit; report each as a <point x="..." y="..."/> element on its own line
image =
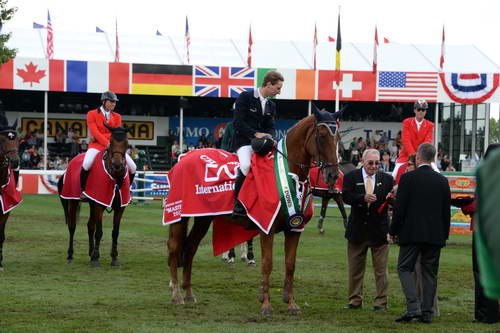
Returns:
<point x="253" y="118"/>
<point x="422" y="224"/>
<point x="366" y="190"/>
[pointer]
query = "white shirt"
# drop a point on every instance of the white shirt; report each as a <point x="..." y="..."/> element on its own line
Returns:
<point x="263" y="101"/>
<point x="419" y="123"/>
<point x="106" y="113"/>
<point x="365" y="177"/>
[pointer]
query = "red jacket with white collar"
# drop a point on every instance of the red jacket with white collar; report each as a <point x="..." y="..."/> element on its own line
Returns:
<point x="99" y="133"/>
<point x="412" y="137"/>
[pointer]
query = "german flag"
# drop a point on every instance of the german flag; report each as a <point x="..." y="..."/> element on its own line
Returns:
<point x="173" y="80"/>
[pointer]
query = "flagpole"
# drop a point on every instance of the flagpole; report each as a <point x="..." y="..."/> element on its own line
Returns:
<point x="109" y="45"/>
<point x="45" y="128"/>
<point x="436" y="125"/>
<point x="337" y="102"/>
<point x="41" y="42"/>
<point x="309" y="108"/>
<point x="182" y="103"/>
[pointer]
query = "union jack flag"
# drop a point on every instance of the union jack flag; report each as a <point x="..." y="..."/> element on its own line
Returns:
<point x="217" y="81"/>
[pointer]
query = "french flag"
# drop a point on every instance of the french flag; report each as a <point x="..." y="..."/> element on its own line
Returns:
<point x="96" y="77"/>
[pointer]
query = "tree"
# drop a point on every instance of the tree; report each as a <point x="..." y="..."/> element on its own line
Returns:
<point x="5" y="15"/>
<point x="494" y="131"/>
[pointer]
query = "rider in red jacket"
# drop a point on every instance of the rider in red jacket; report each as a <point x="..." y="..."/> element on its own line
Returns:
<point x="416" y="130"/>
<point x="100" y="135"/>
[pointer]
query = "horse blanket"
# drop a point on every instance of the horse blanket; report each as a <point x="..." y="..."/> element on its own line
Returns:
<point x="202" y="184"/>
<point x="317" y="181"/>
<point x="10" y="196"/>
<point x="100" y="184"/>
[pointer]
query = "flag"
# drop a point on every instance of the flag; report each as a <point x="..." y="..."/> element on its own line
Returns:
<point x="216" y="81"/>
<point x="50" y="38"/>
<point x="386" y="41"/>
<point x="375" y="48"/>
<point x="353" y="85"/>
<point x="173" y="80"/>
<point x="315" y="44"/>
<point x="117" y="44"/>
<point x="188" y="41"/>
<point x="300" y="83"/>
<point x="339" y="47"/>
<point x="31" y="74"/>
<point x="250" y="42"/>
<point x="97" y="29"/>
<point x="441" y="60"/>
<point x="158" y="33"/>
<point x="38" y="26"/>
<point x="407" y="86"/>
<point x="331" y="39"/>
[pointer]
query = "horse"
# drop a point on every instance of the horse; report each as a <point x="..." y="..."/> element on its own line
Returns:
<point x="115" y="165"/>
<point x="312" y="140"/>
<point x="332" y="193"/>
<point x="9" y="161"/>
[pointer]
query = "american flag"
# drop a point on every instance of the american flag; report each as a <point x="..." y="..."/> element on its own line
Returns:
<point x="216" y="81"/>
<point x="50" y="38"/>
<point x="188" y="41"/>
<point x="407" y="86"/>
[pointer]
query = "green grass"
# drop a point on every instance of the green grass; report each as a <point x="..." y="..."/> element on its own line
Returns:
<point x="40" y="292"/>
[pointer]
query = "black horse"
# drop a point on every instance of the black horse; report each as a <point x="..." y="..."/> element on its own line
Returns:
<point x="115" y="164"/>
<point x="9" y="162"/>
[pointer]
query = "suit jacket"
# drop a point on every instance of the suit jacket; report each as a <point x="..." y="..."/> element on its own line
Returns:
<point x="422" y="209"/>
<point x="366" y="224"/>
<point x="95" y="123"/>
<point x="249" y="118"/>
<point x="412" y="137"/>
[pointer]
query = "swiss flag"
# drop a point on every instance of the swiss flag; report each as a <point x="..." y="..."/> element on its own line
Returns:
<point x="354" y="85"/>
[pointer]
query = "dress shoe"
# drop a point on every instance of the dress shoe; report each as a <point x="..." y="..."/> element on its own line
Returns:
<point x="379" y="308"/>
<point x="352" y="307"/>
<point x="408" y="316"/>
<point x="426" y="318"/>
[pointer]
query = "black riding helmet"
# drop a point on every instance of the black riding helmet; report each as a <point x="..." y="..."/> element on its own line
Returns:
<point x="262" y="146"/>
<point x="109" y="95"/>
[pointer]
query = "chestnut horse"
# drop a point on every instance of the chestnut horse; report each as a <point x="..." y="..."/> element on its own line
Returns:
<point x="332" y="193"/>
<point x="115" y="164"/>
<point x="9" y="161"/>
<point x="312" y="140"/>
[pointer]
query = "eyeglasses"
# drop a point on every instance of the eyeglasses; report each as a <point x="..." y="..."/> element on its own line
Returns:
<point x="370" y="163"/>
<point x="422" y="110"/>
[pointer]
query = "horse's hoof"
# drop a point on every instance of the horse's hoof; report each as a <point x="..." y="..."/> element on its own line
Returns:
<point x="294" y="311"/>
<point x="266" y="311"/>
<point x="321" y="231"/>
<point x="177" y="300"/>
<point x="231" y="261"/>
<point x="116" y="263"/>
<point x="1" y="269"/>
<point x="252" y="263"/>
<point x="190" y="299"/>
<point x="95" y="263"/>
<point x="69" y="261"/>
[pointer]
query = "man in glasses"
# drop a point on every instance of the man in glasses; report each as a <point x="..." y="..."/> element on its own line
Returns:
<point x="416" y="130"/>
<point x="366" y="190"/>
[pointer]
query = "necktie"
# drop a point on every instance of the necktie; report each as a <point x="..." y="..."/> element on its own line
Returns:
<point x="369" y="186"/>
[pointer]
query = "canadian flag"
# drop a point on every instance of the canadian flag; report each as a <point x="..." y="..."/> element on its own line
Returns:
<point x="354" y="85"/>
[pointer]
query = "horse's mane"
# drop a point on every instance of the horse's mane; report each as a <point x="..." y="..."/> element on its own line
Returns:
<point x="297" y="124"/>
<point x="119" y="135"/>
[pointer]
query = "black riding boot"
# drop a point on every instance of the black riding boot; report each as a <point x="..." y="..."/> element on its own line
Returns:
<point x="16" y="176"/>
<point x="84" y="174"/>
<point x="131" y="177"/>
<point x="238" y="209"/>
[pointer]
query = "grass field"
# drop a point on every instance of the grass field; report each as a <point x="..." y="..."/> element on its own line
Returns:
<point x="40" y="292"/>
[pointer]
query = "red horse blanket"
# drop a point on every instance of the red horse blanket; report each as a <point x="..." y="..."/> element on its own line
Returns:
<point x="202" y="184"/>
<point x="100" y="184"/>
<point x="317" y="181"/>
<point x="10" y="196"/>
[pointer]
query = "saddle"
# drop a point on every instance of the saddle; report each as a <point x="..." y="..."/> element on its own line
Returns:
<point x="101" y="186"/>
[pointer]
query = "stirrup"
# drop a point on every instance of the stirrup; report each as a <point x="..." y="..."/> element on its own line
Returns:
<point x="84" y="198"/>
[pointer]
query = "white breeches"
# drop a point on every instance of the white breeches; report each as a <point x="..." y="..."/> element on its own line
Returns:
<point x="245" y="157"/>
<point x="91" y="153"/>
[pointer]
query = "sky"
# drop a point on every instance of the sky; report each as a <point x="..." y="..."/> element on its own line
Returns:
<point x="466" y="22"/>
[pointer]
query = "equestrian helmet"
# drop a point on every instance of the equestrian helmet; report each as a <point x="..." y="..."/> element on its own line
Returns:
<point x="421" y="104"/>
<point x="109" y="95"/>
<point x="262" y="146"/>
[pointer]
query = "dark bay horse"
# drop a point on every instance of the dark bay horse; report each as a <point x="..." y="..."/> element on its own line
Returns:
<point x="9" y="161"/>
<point x="312" y="140"/>
<point x="115" y="164"/>
<point x="327" y="194"/>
